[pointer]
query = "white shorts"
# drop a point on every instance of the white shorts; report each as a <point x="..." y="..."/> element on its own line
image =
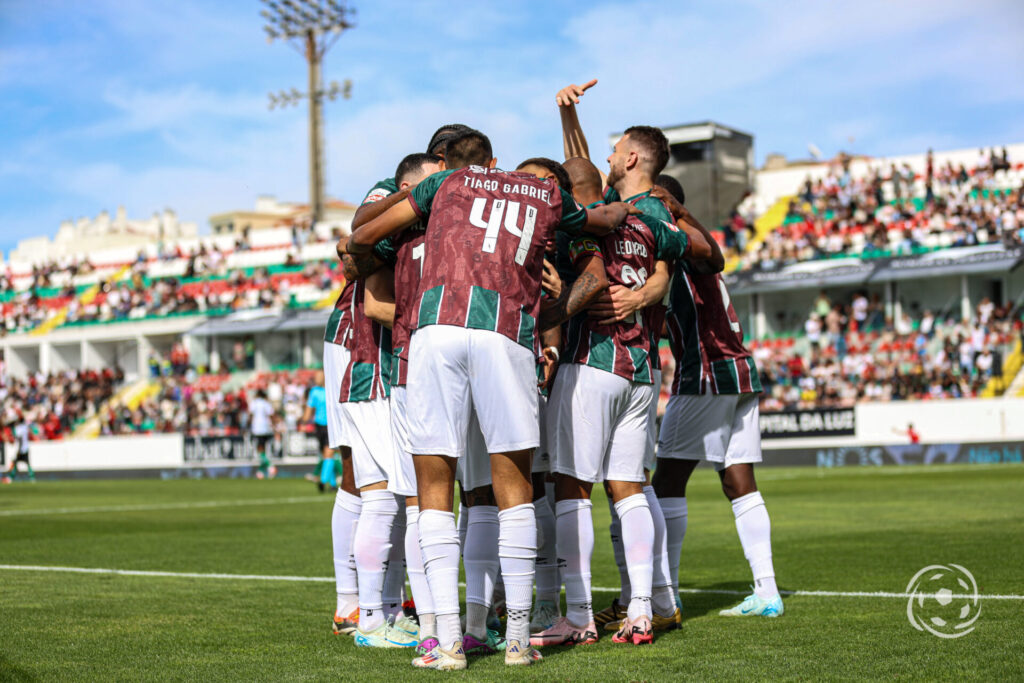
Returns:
<point x="368" y="426"/>
<point x="474" y="470"/>
<point x="720" y="428"/>
<point x="597" y="425"/>
<point x="403" y="474"/>
<point x="542" y="456"/>
<point x="454" y="372"/>
<point x="336" y="359"/>
<point x="651" y="457"/>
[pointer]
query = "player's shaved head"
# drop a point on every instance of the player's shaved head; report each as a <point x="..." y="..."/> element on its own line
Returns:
<point x="586" y="180"/>
<point x="672" y="186"/>
<point x="469" y="148"/>
<point x="442" y="135"/>
<point x="547" y="168"/>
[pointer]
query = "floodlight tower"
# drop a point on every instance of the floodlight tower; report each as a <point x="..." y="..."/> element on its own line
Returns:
<point x="311" y="27"/>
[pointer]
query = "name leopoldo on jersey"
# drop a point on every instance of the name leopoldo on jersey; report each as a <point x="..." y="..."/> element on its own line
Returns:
<point x="508" y="188"/>
<point x="630" y="248"/>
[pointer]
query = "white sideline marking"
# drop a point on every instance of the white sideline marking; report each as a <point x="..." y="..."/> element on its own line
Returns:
<point x="330" y="579"/>
<point x="163" y="506"/>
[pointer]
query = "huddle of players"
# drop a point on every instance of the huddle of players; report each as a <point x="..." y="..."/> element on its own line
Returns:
<point x="501" y="329"/>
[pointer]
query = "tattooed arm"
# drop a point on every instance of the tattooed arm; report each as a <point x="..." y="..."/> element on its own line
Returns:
<point x="590" y="283"/>
<point x="359" y="267"/>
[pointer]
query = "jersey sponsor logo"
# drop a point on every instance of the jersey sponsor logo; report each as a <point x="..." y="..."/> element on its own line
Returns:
<point x="375" y="196"/>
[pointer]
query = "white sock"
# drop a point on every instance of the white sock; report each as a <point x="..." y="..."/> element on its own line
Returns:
<point x="463" y="526"/>
<point x="372" y="548"/>
<point x="755" y="530"/>
<point x="480" y="557"/>
<point x="344" y="519"/>
<point x="417" y="577"/>
<point x="439" y="544"/>
<point x="662" y="600"/>
<point x="394" y="576"/>
<point x="615" y="531"/>
<point x="638" y="545"/>
<point x="674" y="510"/>
<point x="575" y="524"/>
<point x="547" y="554"/>
<point x="517" y="550"/>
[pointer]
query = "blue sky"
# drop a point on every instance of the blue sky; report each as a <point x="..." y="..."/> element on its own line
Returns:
<point x="163" y="104"/>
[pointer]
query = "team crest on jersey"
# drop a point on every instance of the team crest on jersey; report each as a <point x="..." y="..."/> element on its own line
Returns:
<point x="375" y="196"/>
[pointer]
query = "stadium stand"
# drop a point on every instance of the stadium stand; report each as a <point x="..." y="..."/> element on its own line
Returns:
<point x="891" y="212"/>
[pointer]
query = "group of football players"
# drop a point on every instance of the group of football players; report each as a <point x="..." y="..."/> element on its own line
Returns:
<point x="500" y="329"/>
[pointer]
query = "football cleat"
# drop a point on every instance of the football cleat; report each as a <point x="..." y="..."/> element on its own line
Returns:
<point x="426" y="645"/>
<point x="610" y="616"/>
<point x="409" y="608"/>
<point x="545" y="614"/>
<point x="385" y="635"/>
<point x="638" y="631"/>
<point x="408" y="626"/>
<point x="474" y="646"/>
<point x="658" y="622"/>
<point x="346" y="625"/>
<point x="564" y="632"/>
<point x="755" y="606"/>
<point x="520" y="654"/>
<point x="441" y="659"/>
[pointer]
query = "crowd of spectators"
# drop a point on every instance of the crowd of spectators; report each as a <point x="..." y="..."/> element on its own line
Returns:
<point x="854" y="353"/>
<point x="205" y="284"/>
<point x="198" y="405"/>
<point x="54" y="404"/>
<point x="134" y="298"/>
<point x="844" y="214"/>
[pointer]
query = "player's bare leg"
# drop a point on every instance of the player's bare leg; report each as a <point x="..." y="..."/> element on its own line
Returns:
<point x="517" y="548"/>
<point x="344" y="518"/>
<point x="754" y="528"/>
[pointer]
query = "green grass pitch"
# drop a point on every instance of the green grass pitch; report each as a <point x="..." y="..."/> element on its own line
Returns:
<point x="842" y="530"/>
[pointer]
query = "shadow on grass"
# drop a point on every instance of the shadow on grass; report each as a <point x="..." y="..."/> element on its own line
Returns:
<point x="699" y="604"/>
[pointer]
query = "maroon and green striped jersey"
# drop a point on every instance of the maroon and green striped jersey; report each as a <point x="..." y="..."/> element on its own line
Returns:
<point x="404" y="253"/>
<point x="367" y="375"/>
<point x="652" y="206"/>
<point x="629" y="252"/>
<point x="339" y="325"/>
<point x="706" y="337"/>
<point x="484" y="248"/>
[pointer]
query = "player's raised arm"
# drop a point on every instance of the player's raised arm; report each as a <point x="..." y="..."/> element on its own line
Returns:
<point x="574" y="141"/>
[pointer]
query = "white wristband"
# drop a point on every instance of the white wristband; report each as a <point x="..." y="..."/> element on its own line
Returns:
<point x="554" y="350"/>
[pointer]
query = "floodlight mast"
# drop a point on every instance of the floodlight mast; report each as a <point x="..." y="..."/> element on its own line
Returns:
<point x="311" y="27"/>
